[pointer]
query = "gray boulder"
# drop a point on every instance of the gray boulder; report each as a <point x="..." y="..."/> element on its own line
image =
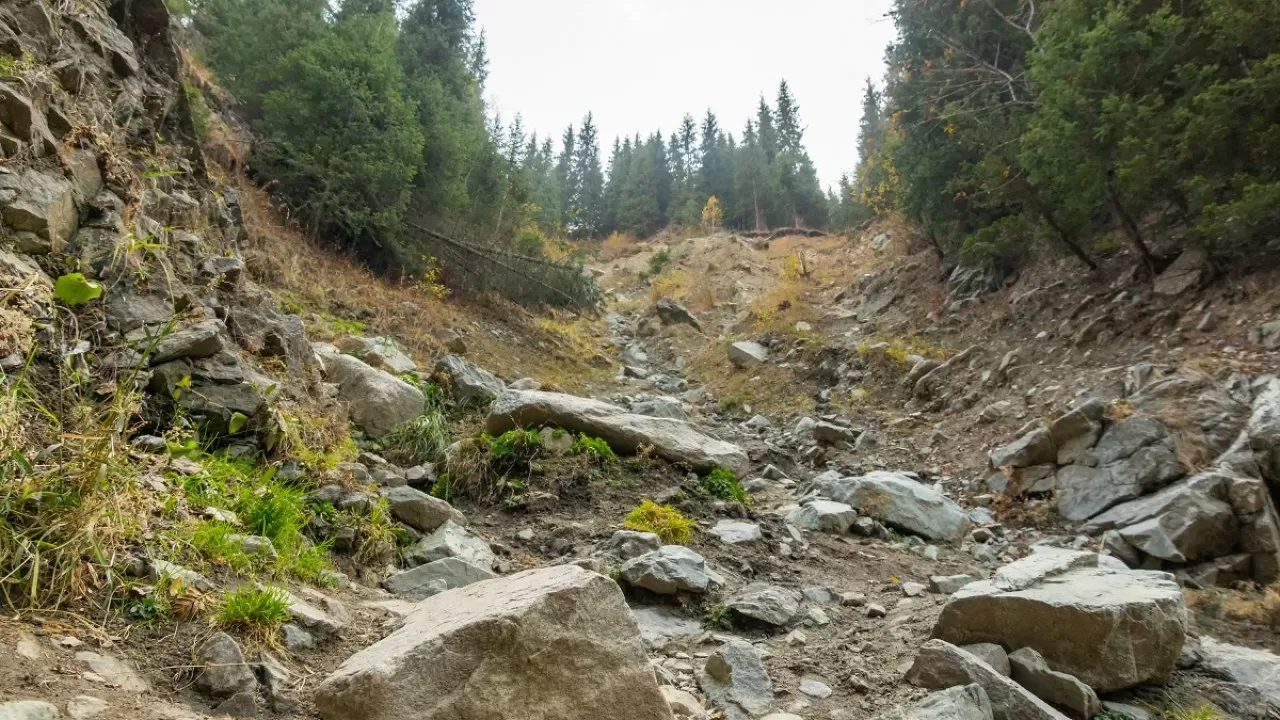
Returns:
<point x="1032" y="672"/>
<point x="673" y="440"/>
<point x="823" y="516"/>
<point x="1134" y="457"/>
<point x="451" y="540"/>
<point x="735" y="532"/>
<point x="747" y="354"/>
<point x="769" y="604"/>
<point x="941" y="665"/>
<point x="831" y="433"/>
<point x="467" y="381"/>
<point x="377" y="401"/>
<point x="962" y="702"/>
<point x="1266" y="335"/>
<point x="900" y="502"/>
<point x="45" y="204"/>
<point x="667" y="571"/>
<point x="223" y="670"/>
<point x="1257" y="669"/>
<point x="631" y="544"/>
<point x="28" y="710"/>
<point x="1190" y="271"/>
<point x="671" y="312"/>
<point x="1182" y="523"/>
<point x="1113" y="628"/>
<point x="433" y="578"/>
<point x="497" y="649"/>
<point x="734" y="679"/>
<point x="383" y="353"/>
<point x="1033" y="448"/>
<point x="661" y="407"/>
<point x="419" y="510"/>
<point x="201" y="340"/>
<point x="1077" y="431"/>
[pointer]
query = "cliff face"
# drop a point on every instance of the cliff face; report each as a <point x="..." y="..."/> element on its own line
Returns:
<point x="102" y="175"/>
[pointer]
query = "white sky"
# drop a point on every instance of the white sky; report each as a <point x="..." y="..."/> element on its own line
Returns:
<point x="640" y="65"/>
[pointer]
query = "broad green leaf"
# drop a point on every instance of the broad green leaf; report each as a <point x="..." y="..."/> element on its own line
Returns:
<point x="75" y="289"/>
<point x="237" y="423"/>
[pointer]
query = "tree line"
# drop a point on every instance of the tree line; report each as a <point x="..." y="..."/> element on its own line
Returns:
<point x="373" y="127"/>
<point x="1083" y="125"/>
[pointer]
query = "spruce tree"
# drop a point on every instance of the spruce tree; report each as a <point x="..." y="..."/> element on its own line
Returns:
<point x="589" y="198"/>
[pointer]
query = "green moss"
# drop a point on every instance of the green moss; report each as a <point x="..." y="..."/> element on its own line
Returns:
<point x="662" y="520"/>
<point x="723" y="483"/>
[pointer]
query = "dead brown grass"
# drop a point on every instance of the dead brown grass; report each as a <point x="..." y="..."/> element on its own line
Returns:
<point x="1257" y="605"/>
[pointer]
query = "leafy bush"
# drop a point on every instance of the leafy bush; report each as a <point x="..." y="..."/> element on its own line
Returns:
<point x="723" y="483"/>
<point x="662" y="520"/>
<point x="657" y="262"/>
<point x="718" y="618"/>
<point x="258" y="612"/>
<point x="594" y="448"/>
<point x="514" y="446"/>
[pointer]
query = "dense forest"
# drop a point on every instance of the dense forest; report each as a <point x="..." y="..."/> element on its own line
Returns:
<point x="1008" y="126"/>
<point x="1001" y="128"/>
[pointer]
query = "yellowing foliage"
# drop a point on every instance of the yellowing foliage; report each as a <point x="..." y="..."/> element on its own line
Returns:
<point x="712" y="214"/>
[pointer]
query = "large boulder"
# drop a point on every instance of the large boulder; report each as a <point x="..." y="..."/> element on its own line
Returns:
<point x="1031" y="671"/>
<point x="1110" y="627"/>
<point x="823" y="516"/>
<point x="434" y="578"/>
<point x="1134" y="457"/>
<point x="673" y="440"/>
<point x="900" y="502"/>
<point x="1190" y="271"/>
<point x="378" y="401"/>
<point x="468" y="381"/>
<point x="451" y="540"/>
<point x="671" y="312"/>
<point x="768" y="604"/>
<point x="551" y="644"/>
<point x="1035" y="447"/>
<point x="1184" y="522"/>
<point x="1077" y="431"/>
<point x="420" y="511"/>
<point x="940" y="664"/>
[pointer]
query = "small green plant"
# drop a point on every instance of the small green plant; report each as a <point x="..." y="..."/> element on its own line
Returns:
<point x="201" y="115"/>
<point x="1199" y="712"/>
<point x="442" y="488"/>
<point x="718" y="618"/>
<point x="75" y="289"/>
<point x="147" y="609"/>
<point x="594" y="448"/>
<point x="723" y="483"/>
<point x="258" y="612"/>
<point x="514" y="445"/>
<point x="420" y="440"/>
<point x="657" y="262"/>
<point x="730" y="403"/>
<point x="662" y="520"/>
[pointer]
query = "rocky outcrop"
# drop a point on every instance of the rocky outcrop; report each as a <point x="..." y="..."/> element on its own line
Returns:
<point x="383" y="353"/>
<point x="671" y="312"/>
<point x="1258" y="669"/>
<point x="900" y="502"/>
<point x="434" y="578"/>
<point x="963" y="702"/>
<point x="669" y="570"/>
<point x="499" y="649"/>
<point x="676" y="441"/>
<point x="940" y="665"/>
<point x="1110" y="627"/>
<point x="747" y="354"/>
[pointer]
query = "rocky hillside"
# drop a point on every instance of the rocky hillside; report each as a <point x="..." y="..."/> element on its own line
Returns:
<point x="794" y="477"/>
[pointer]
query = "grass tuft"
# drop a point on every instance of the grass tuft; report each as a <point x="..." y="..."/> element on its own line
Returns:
<point x="257" y="612"/>
<point x="662" y="520"/>
<point x="420" y="440"/>
<point x="723" y="483"/>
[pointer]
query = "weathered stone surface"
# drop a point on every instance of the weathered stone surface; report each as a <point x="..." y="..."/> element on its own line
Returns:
<point x="769" y="604"/>
<point x="940" y="665"/>
<point x="823" y="516"/>
<point x="1111" y="628"/>
<point x="433" y="578"/>
<point x="661" y="407"/>
<point x="660" y="625"/>
<point x="962" y="702"/>
<point x="673" y="440"/>
<point x="1077" y="431"/>
<point x="500" y="649"/>
<point x="900" y="502"/>
<point x="1134" y="457"/>
<point x="419" y="510"/>
<point x="1258" y="669"/>
<point x="1032" y="672"/>
<point x="671" y="312"/>
<point x="201" y="340"/>
<point x="1267" y="335"/>
<point x="631" y="544"/>
<point x="241" y="705"/>
<point x="1034" y="448"/>
<point x="223" y="670"/>
<point x="735" y="681"/>
<point x="684" y="706"/>
<point x="28" y="710"/>
<point x="383" y="353"/>
<point x="83" y="707"/>
<point x="1191" y="270"/>
<point x="667" y="571"/>
<point x="948" y="584"/>
<point x="319" y="612"/>
<point x="45" y="205"/>
<point x="117" y="673"/>
<point x="467" y="381"/>
<point x="378" y="401"/>
<point x="735" y="532"/>
<point x="991" y="654"/>
<point x="451" y="540"/>
<point x="747" y="354"/>
<point x="1182" y="523"/>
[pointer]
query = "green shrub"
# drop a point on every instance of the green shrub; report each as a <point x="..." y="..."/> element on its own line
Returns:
<point x="594" y="448"/>
<point x="718" y="618"/>
<point x="514" y="446"/>
<point x="420" y="440"/>
<point x="657" y="262"/>
<point x="662" y="520"/>
<point x="258" y="612"/>
<point x="723" y="483"/>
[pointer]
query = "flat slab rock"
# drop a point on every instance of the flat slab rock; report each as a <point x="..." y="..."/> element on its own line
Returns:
<point x="1088" y="615"/>
<point x="550" y="644"/>
<point x="673" y="440"/>
<point x="901" y="502"/>
<point x="1258" y="669"/>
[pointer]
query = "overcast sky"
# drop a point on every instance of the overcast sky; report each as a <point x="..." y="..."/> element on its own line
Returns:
<point x="640" y="65"/>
